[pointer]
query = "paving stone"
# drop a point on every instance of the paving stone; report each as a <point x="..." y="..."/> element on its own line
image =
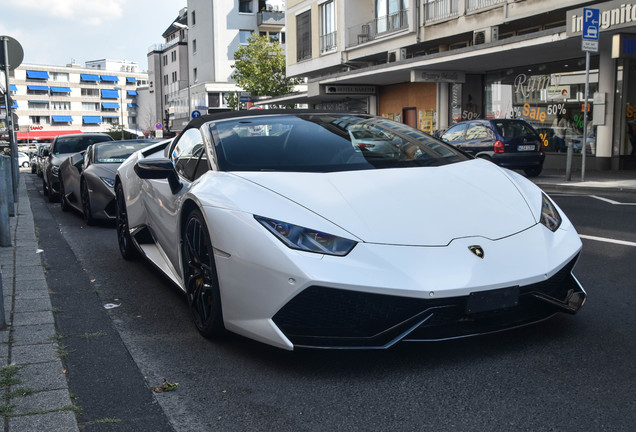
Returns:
<point x="63" y="421"/>
<point x="40" y="353"/>
<point x="37" y="304"/>
<point x="32" y="318"/>
<point x="33" y="334"/>
<point x="43" y="376"/>
<point x="41" y="402"/>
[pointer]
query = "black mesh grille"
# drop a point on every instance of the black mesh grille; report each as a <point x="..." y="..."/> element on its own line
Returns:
<point x="328" y="317"/>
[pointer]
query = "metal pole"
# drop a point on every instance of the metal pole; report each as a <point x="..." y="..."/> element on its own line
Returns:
<point x="6" y="199"/>
<point x="12" y="143"/>
<point x="121" y="110"/>
<point x="587" y="90"/>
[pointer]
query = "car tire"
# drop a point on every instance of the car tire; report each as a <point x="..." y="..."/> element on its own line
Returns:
<point x="33" y="169"/>
<point x="534" y="171"/>
<point x="86" y="204"/>
<point x="200" y="277"/>
<point x="127" y="249"/>
<point x="63" y="202"/>
<point x="25" y="164"/>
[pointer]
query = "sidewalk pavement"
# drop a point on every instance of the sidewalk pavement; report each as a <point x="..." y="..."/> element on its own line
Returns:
<point x="33" y="384"/>
<point x="35" y="393"/>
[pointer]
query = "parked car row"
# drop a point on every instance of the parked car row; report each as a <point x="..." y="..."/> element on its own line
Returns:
<point x="302" y="228"/>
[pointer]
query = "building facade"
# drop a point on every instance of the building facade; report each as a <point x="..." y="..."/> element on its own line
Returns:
<point x="191" y="72"/>
<point x="58" y="100"/>
<point x="431" y="63"/>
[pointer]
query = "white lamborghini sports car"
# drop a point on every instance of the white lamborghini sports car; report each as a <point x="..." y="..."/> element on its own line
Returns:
<point x="284" y="227"/>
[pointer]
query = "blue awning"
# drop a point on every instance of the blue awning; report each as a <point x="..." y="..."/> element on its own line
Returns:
<point x="15" y="105"/>
<point x="91" y="119"/>
<point x="61" y="119"/>
<point x="131" y="79"/>
<point x="39" y="101"/>
<point x="110" y="78"/>
<point x="132" y="92"/>
<point x="12" y="87"/>
<point x="60" y="89"/>
<point x="37" y="74"/>
<point x="89" y="77"/>
<point x="43" y="88"/>
<point x="110" y="94"/>
<point x="110" y="105"/>
<point x="133" y="105"/>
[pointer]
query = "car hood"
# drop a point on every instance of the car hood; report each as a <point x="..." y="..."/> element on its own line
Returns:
<point x="105" y="169"/>
<point x="428" y="206"/>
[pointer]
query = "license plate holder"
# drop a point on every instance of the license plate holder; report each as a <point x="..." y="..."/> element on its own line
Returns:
<point x="525" y="147"/>
<point x="485" y="301"/>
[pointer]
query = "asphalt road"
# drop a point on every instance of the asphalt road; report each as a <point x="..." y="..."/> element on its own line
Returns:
<point x="570" y="373"/>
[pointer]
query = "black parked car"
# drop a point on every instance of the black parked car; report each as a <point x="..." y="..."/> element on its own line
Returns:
<point x="509" y="143"/>
<point x="62" y="147"/>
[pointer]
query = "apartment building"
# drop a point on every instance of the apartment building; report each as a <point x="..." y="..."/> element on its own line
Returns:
<point x="59" y="100"/>
<point x="431" y="63"/>
<point x="190" y="72"/>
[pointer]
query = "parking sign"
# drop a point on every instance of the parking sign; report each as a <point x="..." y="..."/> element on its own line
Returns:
<point x="591" y="21"/>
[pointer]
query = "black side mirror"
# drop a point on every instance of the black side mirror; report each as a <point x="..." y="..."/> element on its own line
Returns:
<point x="159" y="169"/>
<point x="45" y="152"/>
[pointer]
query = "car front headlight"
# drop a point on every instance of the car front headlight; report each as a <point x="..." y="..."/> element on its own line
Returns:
<point x="108" y="182"/>
<point x="550" y="217"/>
<point x="306" y="239"/>
<point x="55" y="170"/>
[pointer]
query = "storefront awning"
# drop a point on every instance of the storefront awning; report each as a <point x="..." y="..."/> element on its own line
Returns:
<point x="91" y="119"/>
<point x="60" y="89"/>
<point x="131" y="79"/>
<point x="31" y="74"/>
<point x="61" y="119"/>
<point x="89" y="77"/>
<point x="110" y="105"/>
<point x="40" y="88"/>
<point x="132" y="92"/>
<point x="110" y="94"/>
<point x="109" y="78"/>
<point x="45" y="135"/>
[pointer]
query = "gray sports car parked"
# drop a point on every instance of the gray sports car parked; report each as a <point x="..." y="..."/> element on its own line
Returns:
<point x="87" y="178"/>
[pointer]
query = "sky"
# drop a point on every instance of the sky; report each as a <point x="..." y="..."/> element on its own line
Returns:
<point x="56" y="32"/>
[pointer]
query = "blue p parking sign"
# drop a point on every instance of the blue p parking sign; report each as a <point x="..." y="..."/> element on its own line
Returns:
<point x="591" y="21"/>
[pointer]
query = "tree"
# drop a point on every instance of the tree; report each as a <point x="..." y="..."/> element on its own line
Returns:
<point x="259" y="69"/>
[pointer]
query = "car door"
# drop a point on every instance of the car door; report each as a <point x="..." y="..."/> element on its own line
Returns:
<point x="162" y="205"/>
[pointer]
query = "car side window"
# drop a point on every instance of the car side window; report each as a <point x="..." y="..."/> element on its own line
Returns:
<point x="477" y="131"/>
<point x="189" y="156"/>
<point x="454" y="133"/>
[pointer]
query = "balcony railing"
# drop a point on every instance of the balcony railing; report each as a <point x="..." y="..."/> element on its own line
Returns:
<point x="472" y="5"/>
<point x="274" y="18"/>
<point x="380" y="26"/>
<point x="441" y="9"/>
<point x="328" y="42"/>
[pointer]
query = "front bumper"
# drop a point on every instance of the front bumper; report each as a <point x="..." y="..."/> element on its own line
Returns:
<point x="321" y="317"/>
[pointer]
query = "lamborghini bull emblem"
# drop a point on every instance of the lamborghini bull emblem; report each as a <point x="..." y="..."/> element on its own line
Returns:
<point x="477" y="250"/>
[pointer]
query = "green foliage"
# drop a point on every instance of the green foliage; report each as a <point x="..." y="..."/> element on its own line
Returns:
<point x="260" y="69"/>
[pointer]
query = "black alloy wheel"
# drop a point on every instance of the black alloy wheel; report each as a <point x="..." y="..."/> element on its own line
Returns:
<point x="63" y="202"/>
<point x="86" y="204"/>
<point x="53" y="196"/>
<point x="200" y="277"/>
<point x="126" y="246"/>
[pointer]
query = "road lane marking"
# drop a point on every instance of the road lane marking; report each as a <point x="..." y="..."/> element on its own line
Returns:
<point x="607" y="200"/>
<point x="608" y="240"/>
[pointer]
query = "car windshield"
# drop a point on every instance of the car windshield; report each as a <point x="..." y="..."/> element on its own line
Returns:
<point x="116" y="151"/>
<point x="77" y="144"/>
<point x="324" y="143"/>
